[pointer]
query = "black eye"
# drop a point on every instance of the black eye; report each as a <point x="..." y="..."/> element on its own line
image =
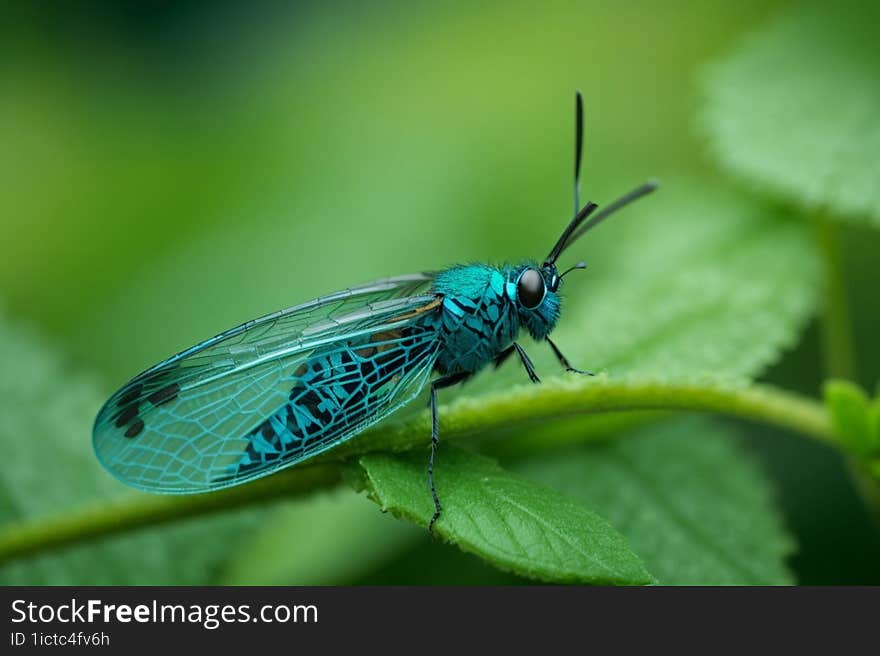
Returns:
<point x="530" y="289"/>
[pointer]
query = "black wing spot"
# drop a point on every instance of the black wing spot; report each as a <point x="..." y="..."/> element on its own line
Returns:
<point x="127" y="415"/>
<point x="131" y="395"/>
<point x="164" y="395"/>
<point x="135" y="429"/>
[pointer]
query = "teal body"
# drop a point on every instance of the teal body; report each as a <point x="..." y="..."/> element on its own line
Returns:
<point x="482" y="316"/>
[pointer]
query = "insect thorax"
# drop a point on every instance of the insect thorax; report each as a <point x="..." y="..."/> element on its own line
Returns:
<point x="479" y="318"/>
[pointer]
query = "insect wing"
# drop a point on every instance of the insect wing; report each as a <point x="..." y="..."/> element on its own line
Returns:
<point x="271" y="392"/>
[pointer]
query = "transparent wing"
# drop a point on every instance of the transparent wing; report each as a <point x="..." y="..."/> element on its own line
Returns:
<point x="272" y="392"/>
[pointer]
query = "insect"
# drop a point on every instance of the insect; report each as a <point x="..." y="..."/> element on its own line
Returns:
<point x="283" y="388"/>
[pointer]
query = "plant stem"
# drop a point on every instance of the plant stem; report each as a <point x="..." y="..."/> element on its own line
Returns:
<point x="837" y="344"/>
<point x="41" y="535"/>
<point x="555" y="400"/>
<point x="462" y="418"/>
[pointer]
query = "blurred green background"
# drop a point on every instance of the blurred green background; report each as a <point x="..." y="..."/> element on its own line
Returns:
<point x="172" y="169"/>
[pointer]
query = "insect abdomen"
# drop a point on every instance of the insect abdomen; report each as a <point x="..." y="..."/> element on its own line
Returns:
<point x="332" y="392"/>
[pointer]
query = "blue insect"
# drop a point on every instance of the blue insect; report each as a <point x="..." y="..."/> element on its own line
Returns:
<point x="283" y="388"/>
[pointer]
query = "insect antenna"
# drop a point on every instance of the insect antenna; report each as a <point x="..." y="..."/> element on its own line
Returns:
<point x="576" y="227"/>
<point x="578" y="147"/>
<point x="620" y="203"/>
<point x="578" y="219"/>
<point x="581" y="214"/>
<point x="579" y="265"/>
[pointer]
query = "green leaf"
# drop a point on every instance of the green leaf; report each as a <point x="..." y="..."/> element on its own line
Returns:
<point x="45" y="427"/>
<point x="689" y="500"/>
<point x="511" y="522"/>
<point x="853" y="417"/>
<point x="794" y="109"/>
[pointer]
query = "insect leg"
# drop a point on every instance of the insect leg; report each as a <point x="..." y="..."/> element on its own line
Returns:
<point x="564" y="360"/>
<point x="527" y="363"/>
<point x="440" y="383"/>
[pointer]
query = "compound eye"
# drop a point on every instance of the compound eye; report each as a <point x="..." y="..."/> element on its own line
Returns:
<point x="530" y="289"/>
